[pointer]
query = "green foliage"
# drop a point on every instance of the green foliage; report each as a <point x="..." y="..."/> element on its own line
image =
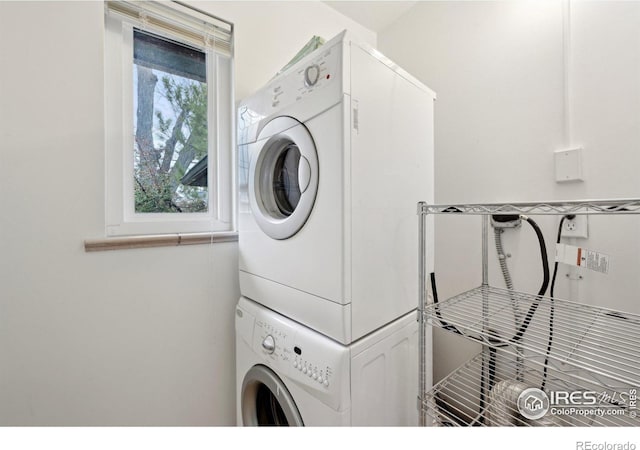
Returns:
<point x="150" y="198"/>
<point x="179" y="141"/>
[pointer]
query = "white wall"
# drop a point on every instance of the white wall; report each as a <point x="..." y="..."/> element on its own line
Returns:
<point x="135" y="337"/>
<point x="516" y="81"/>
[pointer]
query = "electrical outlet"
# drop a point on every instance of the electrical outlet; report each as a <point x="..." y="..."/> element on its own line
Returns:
<point x="578" y="227"/>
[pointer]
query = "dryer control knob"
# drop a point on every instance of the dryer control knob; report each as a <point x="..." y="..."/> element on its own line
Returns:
<point x="311" y="75"/>
<point x="269" y="344"/>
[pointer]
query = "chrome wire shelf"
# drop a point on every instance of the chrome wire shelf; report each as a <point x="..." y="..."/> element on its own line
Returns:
<point x="605" y="343"/>
<point x="591" y="348"/>
<point x="457" y="400"/>
<point x="617" y="206"/>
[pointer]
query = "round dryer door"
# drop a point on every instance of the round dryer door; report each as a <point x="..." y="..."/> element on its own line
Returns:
<point x="266" y="401"/>
<point x="283" y="178"/>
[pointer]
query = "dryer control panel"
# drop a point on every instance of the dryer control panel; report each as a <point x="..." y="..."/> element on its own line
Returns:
<point x="304" y="90"/>
<point x="300" y="355"/>
<point x="306" y="78"/>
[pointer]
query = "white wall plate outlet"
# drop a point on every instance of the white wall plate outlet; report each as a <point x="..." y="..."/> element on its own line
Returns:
<point x="578" y="227"/>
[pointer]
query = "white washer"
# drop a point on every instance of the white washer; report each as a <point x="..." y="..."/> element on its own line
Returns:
<point x="334" y="155"/>
<point x="288" y="374"/>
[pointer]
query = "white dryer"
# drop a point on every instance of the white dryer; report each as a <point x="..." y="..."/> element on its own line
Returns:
<point x="288" y="374"/>
<point x="334" y="155"/>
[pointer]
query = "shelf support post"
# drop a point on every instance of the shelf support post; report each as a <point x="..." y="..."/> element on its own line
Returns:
<point x="422" y="302"/>
<point x="485" y="249"/>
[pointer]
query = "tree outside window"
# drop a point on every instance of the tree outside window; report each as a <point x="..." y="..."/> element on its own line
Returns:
<point x="170" y="124"/>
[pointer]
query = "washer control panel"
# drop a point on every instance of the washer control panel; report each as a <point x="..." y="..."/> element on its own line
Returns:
<point x="273" y="340"/>
<point x="280" y="344"/>
<point x="299" y="354"/>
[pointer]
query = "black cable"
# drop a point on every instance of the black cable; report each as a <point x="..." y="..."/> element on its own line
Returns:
<point x="551" y="305"/>
<point x="492" y="351"/>
<point x="492" y="367"/>
<point x="482" y="392"/>
<point x="454" y="329"/>
<point x="545" y="280"/>
<point x="523" y="326"/>
<point x="444" y="324"/>
<point x="532" y="309"/>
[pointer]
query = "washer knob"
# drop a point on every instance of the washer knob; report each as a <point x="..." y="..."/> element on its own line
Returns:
<point x="269" y="344"/>
<point x="326" y="382"/>
<point x="304" y="370"/>
<point x="315" y="376"/>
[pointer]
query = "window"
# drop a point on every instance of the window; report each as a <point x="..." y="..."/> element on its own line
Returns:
<point x="169" y="103"/>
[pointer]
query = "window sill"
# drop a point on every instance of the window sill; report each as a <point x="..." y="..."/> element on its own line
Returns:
<point x="164" y="240"/>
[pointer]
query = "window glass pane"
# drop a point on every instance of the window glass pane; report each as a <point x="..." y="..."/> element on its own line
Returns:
<point x="170" y="126"/>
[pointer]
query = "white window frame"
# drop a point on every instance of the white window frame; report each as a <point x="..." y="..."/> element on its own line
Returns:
<point x="121" y="218"/>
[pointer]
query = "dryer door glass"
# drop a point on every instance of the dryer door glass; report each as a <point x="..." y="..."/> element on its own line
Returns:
<point x="266" y="401"/>
<point x="285" y="185"/>
<point x="283" y="178"/>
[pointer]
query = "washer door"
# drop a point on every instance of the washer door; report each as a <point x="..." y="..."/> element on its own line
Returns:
<point x="283" y="178"/>
<point x="266" y="401"/>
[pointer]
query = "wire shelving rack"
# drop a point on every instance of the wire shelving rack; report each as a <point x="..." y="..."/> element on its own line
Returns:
<point x="594" y="349"/>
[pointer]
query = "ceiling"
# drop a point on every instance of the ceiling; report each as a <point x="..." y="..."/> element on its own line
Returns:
<point x="374" y="15"/>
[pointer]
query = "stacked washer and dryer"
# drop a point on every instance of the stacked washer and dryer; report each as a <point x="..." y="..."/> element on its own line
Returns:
<point x="333" y="156"/>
